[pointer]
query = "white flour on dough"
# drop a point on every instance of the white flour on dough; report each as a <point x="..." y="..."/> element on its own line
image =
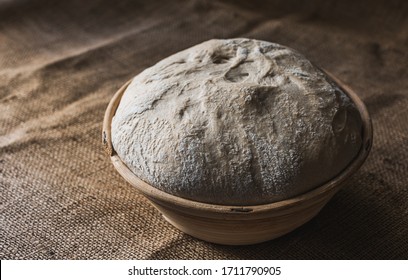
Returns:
<point x="236" y="122"/>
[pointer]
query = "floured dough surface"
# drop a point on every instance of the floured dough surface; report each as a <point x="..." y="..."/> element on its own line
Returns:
<point x="236" y="122"/>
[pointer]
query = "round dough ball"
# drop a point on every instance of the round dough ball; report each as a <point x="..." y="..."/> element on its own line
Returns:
<point x="236" y="122"/>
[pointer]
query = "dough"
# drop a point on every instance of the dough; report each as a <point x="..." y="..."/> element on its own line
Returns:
<point x="236" y="122"/>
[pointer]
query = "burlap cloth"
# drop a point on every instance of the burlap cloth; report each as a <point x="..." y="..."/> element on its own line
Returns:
<point x="61" y="62"/>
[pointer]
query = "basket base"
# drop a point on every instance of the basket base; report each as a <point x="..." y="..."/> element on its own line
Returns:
<point x="236" y="232"/>
<point x="237" y="239"/>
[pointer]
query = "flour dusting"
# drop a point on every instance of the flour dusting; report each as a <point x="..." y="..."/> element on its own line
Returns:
<point x="236" y="122"/>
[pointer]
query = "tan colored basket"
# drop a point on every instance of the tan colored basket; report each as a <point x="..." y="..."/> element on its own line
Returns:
<point x="239" y="225"/>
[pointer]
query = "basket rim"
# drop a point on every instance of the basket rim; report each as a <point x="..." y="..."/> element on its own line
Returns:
<point x="323" y="190"/>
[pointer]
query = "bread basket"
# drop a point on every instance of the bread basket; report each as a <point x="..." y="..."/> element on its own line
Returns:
<point x="239" y="225"/>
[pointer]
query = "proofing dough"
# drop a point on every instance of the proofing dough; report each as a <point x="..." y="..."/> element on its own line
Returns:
<point x="236" y="122"/>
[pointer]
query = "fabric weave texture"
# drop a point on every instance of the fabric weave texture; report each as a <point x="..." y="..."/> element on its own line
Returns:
<point x="62" y="61"/>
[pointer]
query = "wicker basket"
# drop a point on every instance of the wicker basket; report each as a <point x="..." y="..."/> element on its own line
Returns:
<point x="239" y="225"/>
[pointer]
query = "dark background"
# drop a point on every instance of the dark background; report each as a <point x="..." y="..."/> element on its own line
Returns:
<point x="61" y="62"/>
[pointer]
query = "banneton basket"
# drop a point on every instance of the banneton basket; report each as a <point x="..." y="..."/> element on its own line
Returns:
<point x="239" y="225"/>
